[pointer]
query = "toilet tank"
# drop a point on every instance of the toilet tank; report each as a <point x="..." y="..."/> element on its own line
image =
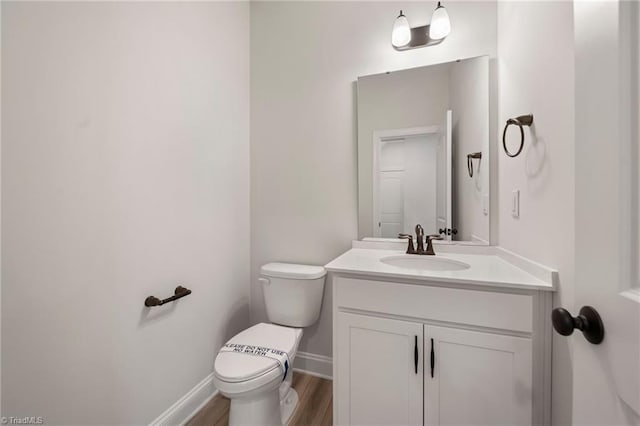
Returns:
<point x="292" y="293"/>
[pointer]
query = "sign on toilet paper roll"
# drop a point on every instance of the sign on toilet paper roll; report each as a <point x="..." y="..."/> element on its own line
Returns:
<point x="280" y="356"/>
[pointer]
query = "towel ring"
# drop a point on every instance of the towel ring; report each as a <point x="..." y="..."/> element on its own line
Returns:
<point x="523" y="120"/>
<point x="470" y="158"/>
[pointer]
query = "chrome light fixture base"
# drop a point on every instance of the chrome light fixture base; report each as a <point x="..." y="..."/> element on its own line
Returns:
<point x="419" y="38"/>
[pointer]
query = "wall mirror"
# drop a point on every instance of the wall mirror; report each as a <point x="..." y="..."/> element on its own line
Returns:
<point x="423" y="151"/>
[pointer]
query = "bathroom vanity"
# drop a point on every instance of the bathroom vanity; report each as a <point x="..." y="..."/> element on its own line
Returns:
<point x="463" y="337"/>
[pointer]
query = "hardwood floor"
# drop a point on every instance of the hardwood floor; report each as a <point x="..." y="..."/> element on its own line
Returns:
<point x="315" y="407"/>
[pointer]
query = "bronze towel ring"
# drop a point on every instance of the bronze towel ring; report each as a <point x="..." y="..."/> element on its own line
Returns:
<point x="523" y="120"/>
<point x="470" y="157"/>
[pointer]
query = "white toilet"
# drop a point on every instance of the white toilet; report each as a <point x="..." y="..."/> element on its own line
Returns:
<point x="260" y="386"/>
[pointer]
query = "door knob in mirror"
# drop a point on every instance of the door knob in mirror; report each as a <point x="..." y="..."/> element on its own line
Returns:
<point x="588" y="321"/>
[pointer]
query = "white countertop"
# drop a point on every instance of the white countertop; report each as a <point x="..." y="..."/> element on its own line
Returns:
<point x="485" y="269"/>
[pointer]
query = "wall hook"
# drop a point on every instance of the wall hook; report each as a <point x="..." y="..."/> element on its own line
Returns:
<point x="523" y="120"/>
<point x="470" y="158"/>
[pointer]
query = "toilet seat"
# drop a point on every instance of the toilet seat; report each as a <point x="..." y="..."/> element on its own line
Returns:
<point x="233" y="367"/>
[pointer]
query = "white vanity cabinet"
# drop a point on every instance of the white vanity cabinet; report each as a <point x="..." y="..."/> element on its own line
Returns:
<point x="478" y="378"/>
<point x="490" y="349"/>
<point x="385" y="384"/>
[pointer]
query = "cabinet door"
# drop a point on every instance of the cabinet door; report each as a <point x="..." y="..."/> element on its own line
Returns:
<point x="379" y="371"/>
<point x="477" y="378"/>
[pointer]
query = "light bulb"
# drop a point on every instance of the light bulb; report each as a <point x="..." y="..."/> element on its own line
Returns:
<point x="440" y="26"/>
<point x="401" y="34"/>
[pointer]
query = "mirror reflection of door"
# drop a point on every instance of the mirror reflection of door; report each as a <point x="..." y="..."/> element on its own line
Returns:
<point x="391" y="172"/>
<point x="410" y="180"/>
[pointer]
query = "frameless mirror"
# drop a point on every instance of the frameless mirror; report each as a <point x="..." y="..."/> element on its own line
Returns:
<point x="423" y="151"/>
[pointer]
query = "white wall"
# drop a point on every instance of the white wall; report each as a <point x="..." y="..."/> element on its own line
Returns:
<point x="305" y="58"/>
<point x="469" y="97"/>
<point x="417" y="97"/>
<point x="125" y="171"/>
<point x="536" y="75"/>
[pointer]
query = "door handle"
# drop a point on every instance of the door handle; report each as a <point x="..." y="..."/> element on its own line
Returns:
<point x="415" y="354"/>
<point x="588" y="321"/>
<point x="433" y="359"/>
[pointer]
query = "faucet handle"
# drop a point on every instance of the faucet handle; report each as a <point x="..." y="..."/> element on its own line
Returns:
<point x="430" y="238"/>
<point x="410" y="248"/>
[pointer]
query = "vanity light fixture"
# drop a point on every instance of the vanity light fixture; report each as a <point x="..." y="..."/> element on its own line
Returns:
<point x="440" y="24"/>
<point x="403" y="37"/>
<point x="401" y="34"/>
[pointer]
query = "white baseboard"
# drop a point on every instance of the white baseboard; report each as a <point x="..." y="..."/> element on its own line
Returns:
<point x="315" y="365"/>
<point x="187" y="406"/>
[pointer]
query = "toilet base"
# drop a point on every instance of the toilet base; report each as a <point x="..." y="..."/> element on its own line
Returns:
<point x="288" y="405"/>
<point x="263" y="409"/>
<point x="269" y="407"/>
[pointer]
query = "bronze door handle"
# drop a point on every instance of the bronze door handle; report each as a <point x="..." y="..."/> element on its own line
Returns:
<point x="588" y="321"/>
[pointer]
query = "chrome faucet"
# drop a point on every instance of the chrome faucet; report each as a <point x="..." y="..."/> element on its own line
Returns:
<point x="420" y="242"/>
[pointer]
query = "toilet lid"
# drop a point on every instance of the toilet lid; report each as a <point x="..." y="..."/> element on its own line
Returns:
<point x="238" y="367"/>
<point x="292" y="271"/>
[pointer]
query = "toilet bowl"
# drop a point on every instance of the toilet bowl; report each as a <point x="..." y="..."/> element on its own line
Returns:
<point x="255" y="367"/>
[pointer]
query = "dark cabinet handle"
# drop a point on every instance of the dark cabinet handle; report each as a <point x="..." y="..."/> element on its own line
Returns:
<point x="415" y="354"/>
<point x="433" y="359"/>
<point x="588" y="321"/>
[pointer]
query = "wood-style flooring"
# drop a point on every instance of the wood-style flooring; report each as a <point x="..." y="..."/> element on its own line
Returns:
<point x="315" y="406"/>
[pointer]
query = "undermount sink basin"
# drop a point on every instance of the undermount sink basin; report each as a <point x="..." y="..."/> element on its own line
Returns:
<point x="424" y="263"/>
